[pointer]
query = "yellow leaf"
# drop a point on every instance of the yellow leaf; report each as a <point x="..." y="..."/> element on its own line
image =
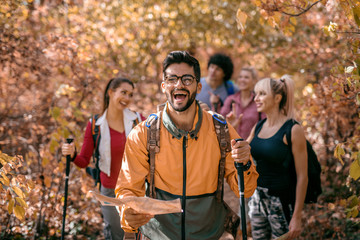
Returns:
<point x="18" y="191"/>
<point x="30" y="184"/>
<point x="241" y="20"/>
<point x="21" y="202"/>
<point x="293" y="20"/>
<point x="339" y="152"/>
<point x="331" y="206"/>
<point x="5" y="180"/>
<point x="8" y="194"/>
<point x="19" y="212"/>
<point x="354" y="170"/>
<point x="11" y="206"/>
<point x="44" y="161"/>
<point x="47" y="181"/>
<point x="257" y="3"/>
<point x="343" y="202"/>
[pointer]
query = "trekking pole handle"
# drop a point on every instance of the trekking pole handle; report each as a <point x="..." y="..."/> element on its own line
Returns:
<point x="68" y="158"/>
<point x="240" y="169"/>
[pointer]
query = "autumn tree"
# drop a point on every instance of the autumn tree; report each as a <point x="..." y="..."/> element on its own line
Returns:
<point x="57" y="55"/>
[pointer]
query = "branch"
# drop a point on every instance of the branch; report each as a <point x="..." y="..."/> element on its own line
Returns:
<point x="305" y="10"/>
<point x="357" y="32"/>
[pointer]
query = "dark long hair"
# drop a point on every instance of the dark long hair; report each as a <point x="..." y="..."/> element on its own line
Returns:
<point x="113" y="84"/>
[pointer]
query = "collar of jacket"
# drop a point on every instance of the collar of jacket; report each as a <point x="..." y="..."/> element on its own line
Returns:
<point x="179" y="133"/>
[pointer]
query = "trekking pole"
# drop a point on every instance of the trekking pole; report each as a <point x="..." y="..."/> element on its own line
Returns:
<point x="67" y="171"/>
<point x="240" y="170"/>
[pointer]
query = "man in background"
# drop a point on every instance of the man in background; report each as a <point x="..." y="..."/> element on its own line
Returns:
<point x="216" y="86"/>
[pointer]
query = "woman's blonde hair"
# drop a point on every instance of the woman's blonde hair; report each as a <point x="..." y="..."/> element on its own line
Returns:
<point x="252" y="71"/>
<point x="283" y="86"/>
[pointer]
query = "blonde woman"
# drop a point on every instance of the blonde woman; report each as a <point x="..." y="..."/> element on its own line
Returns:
<point x="276" y="206"/>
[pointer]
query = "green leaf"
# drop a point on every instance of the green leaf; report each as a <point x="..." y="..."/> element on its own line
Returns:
<point x="355" y="170"/>
<point x="354" y="211"/>
<point x="356" y="15"/>
<point x="53" y="145"/>
<point x="55" y="112"/>
<point x="352" y="201"/>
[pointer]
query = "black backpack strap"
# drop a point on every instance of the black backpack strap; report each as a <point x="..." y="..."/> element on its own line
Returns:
<point x="223" y="136"/>
<point x="288" y="132"/>
<point x="153" y="146"/>
<point x="137" y="120"/>
<point x="95" y="131"/>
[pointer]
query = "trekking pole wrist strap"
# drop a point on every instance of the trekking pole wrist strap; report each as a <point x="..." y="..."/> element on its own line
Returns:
<point x="247" y="166"/>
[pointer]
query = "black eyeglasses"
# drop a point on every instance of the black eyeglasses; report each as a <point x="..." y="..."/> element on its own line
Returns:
<point x="186" y="79"/>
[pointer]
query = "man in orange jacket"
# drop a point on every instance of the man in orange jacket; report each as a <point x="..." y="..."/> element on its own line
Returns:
<point x="187" y="165"/>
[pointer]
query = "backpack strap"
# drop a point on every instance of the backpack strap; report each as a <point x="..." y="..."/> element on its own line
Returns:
<point x="95" y="131"/>
<point x="223" y="136"/>
<point x="288" y="132"/>
<point x="153" y="146"/>
<point x="229" y="87"/>
<point x="137" y="120"/>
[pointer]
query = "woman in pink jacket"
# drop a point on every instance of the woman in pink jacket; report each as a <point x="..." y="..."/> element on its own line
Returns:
<point x="240" y="108"/>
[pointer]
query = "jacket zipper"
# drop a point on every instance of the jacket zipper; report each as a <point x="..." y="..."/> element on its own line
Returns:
<point x="183" y="204"/>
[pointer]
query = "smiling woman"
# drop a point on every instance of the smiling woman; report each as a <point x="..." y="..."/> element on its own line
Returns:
<point x="113" y="127"/>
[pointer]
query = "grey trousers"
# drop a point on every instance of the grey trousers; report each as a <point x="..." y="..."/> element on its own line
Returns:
<point x="112" y="229"/>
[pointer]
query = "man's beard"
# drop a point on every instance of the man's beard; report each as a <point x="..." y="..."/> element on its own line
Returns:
<point x="188" y="104"/>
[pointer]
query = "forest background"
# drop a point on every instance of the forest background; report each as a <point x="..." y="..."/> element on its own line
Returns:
<point x="57" y="55"/>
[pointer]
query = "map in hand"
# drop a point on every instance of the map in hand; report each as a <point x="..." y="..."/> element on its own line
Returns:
<point x="142" y="204"/>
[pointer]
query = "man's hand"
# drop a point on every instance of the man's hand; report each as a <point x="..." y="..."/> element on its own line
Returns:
<point x="240" y="151"/>
<point x="135" y="219"/>
<point x="214" y="100"/>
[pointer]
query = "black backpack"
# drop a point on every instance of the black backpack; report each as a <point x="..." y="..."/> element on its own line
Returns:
<point x="314" y="170"/>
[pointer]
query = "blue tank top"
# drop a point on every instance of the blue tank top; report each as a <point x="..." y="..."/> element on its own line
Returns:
<point x="272" y="158"/>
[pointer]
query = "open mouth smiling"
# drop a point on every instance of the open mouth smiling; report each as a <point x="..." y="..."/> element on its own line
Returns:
<point x="180" y="95"/>
<point x="124" y="103"/>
